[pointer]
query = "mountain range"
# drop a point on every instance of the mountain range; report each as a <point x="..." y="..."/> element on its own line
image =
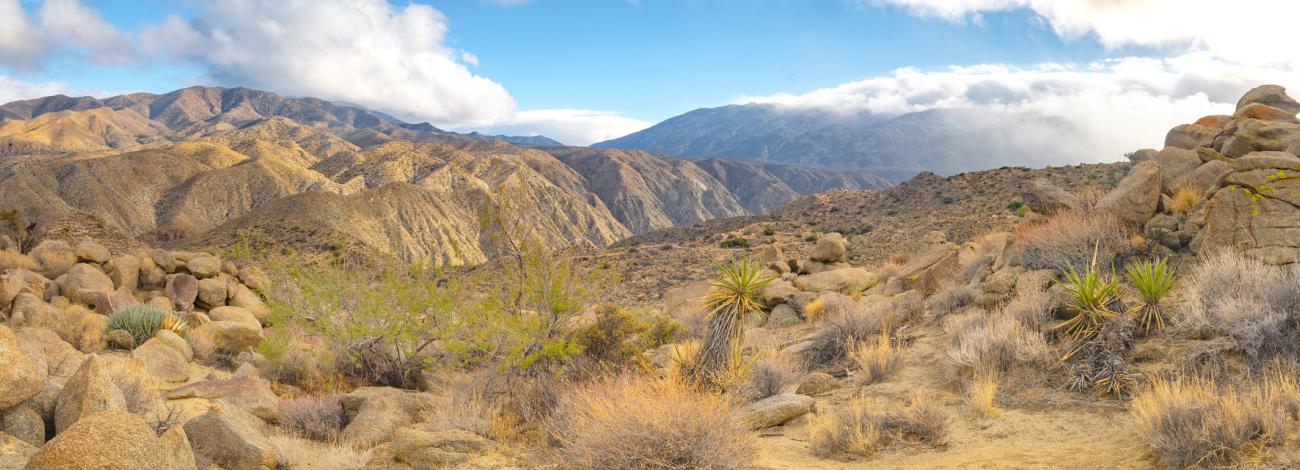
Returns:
<point x="205" y="166"/>
<point x="943" y="141"/>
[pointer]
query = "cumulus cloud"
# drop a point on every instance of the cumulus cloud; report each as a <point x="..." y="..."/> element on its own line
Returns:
<point x="1118" y="104"/>
<point x="570" y="126"/>
<point x="12" y="89"/>
<point x="27" y="39"/>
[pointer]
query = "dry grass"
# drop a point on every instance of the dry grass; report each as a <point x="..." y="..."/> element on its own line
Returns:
<point x="15" y="260"/>
<point x="633" y="422"/>
<point x="1247" y="300"/>
<point x="1194" y="422"/>
<point x="982" y="395"/>
<point x="1069" y="239"/>
<point x="1030" y="308"/>
<point x="982" y="342"/>
<point x="768" y="375"/>
<point x="296" y="452"/>
<point x="814" y="309"/>
<point x="950" y="298"/>
<point x="55" y="257"/>
<point x="316" y="417"/>
<point x="846" y="323"/>
<point x="75" y="324"/>
<point x="876" y="359"/>
<point x="1185" y="199"/>
<point x="861" y="429"/>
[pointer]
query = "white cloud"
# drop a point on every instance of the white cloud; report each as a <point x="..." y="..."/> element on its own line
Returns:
<point x="570" y="126"/>
<point x="468" y="58"/>
<point x="64" y="26"/>
<point x="1119" y="104"/>
<point x="12" y="89"/>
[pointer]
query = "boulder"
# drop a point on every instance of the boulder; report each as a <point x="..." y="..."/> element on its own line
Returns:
<point x="830" y="248"/>
<point x="421" y="448"/>
<point x="255" y="278"/>
<point x="1207" y="177"/>
<point x="1264" y="112"/>
<point x="1191" y="136"/>
<point x="228" y="336"/>
<point x="1246" y="135"/>
<point x="213" y="291"/>
<point x="25" y="423"/>
<point x="120" y="340"/>
<point x="177" y="448"/>
<point x="91" y="390"/>
<point x="777" y="409"/>
<point x="163" y="361"/>
<point x="235" y="314"/>
<point x="777" y="291"/>
<point x="151" y="275"/>
<point x="817" y="383"/>
<point x="1134" y="200"/>
<point x="125" y="272"/>
<point x="1044" y="197"/>
<point x="55" y="256"/>
<point x="844" y="281"/>
<point x="110" y="302"/>
<point x="176" y="342"/>
<point x="83" y="282"/>
<point x="783" y="315"/>
<point x="373" y="413"/>
<point x="682" y="301"/>
<point x="164" y="260"/>
<point x="251" y="395"/>
<point x="15" y="453"/>
<point x="242" y="297"/>
<point x="182" y="290"/>
<point x="232" y="438"/>
<point x="1175" y="165"/>
<point x="1271" y="95"/>
<point x="774" y="258"/>
<point x="204" y="267"/>
<point x="21" y="377"/>
<point x="110" y="439"/>
<point x="926" y="271"/>
<point x="93" y="252"/>
<point x="57" y="359"/>
<point x="1256" y="212"/>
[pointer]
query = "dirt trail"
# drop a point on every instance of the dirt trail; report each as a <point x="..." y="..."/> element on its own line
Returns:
<point x="1078" y="435"/>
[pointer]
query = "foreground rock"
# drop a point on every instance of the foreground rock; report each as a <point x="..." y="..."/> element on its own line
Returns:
<point x="231" y="438"/>
<point x="777" y="409"/>
<point x="15" y="453"/>
<point x="112" y="439"/>
<point x="89" y="391"/>
<point x="20" y="377"/>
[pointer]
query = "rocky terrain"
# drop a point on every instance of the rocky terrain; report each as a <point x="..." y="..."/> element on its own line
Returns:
<point x="957" y="140"/>
<point x="204" y="165"/>
<point x="991" y="319"/>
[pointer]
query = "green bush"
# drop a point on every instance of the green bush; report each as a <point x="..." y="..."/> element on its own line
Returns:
<point x="1150" y="281"/>
<point x="616" y="337"/>
<point x="142" y="321"/>
<point x="734" y="242"/>
<point x="769" y="231"/>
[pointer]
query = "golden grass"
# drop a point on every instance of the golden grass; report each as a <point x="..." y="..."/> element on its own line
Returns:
<point x="876" y="359"/>
<point x="812" y="310"/>
<point x="982" y="396"/>
<point x="15" y="260"/>
<point x="637" y="422"/>
<point x="1184" y="200"/>
<point x="861" y="429"/>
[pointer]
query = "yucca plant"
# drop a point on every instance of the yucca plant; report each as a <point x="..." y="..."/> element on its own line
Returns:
<point x="734" y="297"/>
<point x="1150" y="280"/>
<point x="1091" y="299"/>
<point x="143" y="321"/>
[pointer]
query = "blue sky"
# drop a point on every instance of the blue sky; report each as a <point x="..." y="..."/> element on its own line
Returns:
<point x="584" y="71"/>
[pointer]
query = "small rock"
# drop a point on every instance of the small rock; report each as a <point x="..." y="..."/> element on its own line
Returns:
<point x="204" y="267"/>
<point x="784" y="315"/>
<point x="777" y="409"/>
<point x="120" y="339"/>
<point x="817" y="383"/>
<point x="1046" y="198"/>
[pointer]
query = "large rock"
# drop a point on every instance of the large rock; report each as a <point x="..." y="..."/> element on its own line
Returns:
<point x="1136" y="197"/>
<point x="204" y="267"/>
<point x="817" y="383"/>
<point x="176" y="342"/>
<point x="1175" y="165"/>
<point x="83" y="282"/>
<point x="373" y="413"/>
<point x="93" y="252"/>
<point x="1044" y="197"/>
<point x="112" y="439"/>
<point x="235" y="314"/>
<point x="21" y="377"/>
<point x="55" y="256"/>
<point x="125" y="272"/>
<point x="1207" y="177"/>
<point x="91" y="390"/>
<point x="777" y="409"/>
<point x="164" y="259"/>
<point x="1191" y="136"/>
<point x="56" y="358"/>
<point x="926" y="271"/>
<point x="213" y="291"/>
<point x="231" y="438"/>
<point x="110" y="302"/>
<point x="151" y="276"/>
<point x="1256" y="213"/>
<point x="162" y="361"/>
<point x="228" y="336"/>
<point x="255" y="278"/>
<point x="250" y="394"/>
<point x="15" y="453"/>
<point x="177" y="448"/>
<point x="778" y="291"/>
<point x="183" y="290"/>
<point x="25" y="423"/>
<point x="1264" y="112"/>
<point x="685" y="300"/>
<point x="830" y="248"/>
<point x="1243" y="136"/>
<point x="241" y="296"/>
<point x="844" y="281"/>
<point x="1271" y="95"/>
<point x="421" y="448"/>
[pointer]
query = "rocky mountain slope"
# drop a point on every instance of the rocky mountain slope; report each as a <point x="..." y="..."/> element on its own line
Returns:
<point x="951" y="140"/>
<point x="206" y="165"/>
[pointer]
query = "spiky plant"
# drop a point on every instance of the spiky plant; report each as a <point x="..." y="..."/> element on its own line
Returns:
<point x="1150" y="281"/>
<point x="734" y="297"/>
<point x="1091" y="299"/>
<point x="143" y="321"/>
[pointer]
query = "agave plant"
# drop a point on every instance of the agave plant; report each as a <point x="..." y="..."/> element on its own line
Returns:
<point x="1150" y="281"/>
<point x="1091" y="298"/>
<point x="734" y="297"/>
<point x="143" y="321"/>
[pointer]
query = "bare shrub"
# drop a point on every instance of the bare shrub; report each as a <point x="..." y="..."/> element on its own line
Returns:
<point x="1069" y="238"/>
<point x="950" y="298"/>
<point x="981" y="342"/>
<point x="766" y="376"/>
<point x="295" y="452"/>
<point x="877" y="359"/>
<point x="631" y="422"/>
<point x="846" y="323"/>
<point x="861" y="429"/>
<point x="315" y="417"/>
<point x="1195" y="422"/>
<point x="1247" y="300"/>
<point x="1030" y="308"/>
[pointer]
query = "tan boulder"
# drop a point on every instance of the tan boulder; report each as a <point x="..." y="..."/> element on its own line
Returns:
<point x="242" y="297"/>
<point x="1256" y="212"/>
<point x="91" y="390"/>
<point x="25" y="423"/>
<point x="1271" y="95"/>
<point x="204" y="266"/>
<point x="777" y="409"/>
<point x="1191" y="136"/>
<point x="20" y="376"/>
<point x="845" y="281"/>
<point x="421" y="448"/>
<point x="57" y="358"/>
<point x="15" y="452"/>
<point x="112" y="439"/>
<point x="1264" y="112"/>
<point x="232" y="438"/>
<point x="373" y="413"/>
<point x="151" y="276"/>
<point x="213" y="291"/>
<point x="776" y="292"/>
<point x="1208" y="177"/>
<point x="227" y="336"/>
<point x="83" y="282"/>
<point x="1136" y="197"/>
<point x="255" y="278"/>
<point x="93" y="252"/>
<point x="164" y="259"/>
<point x="55" y="256"/>
<point x="162" y="361"/>
<point x="177" y="448"/>
<point x="110" y="302"/>
<point x="182" y="289"/>
<point x="830" y="248"/>
<point x="235" y="314"/>
<point x="684" y="300"/>
<point x="250" y="394"/>
<point x="1044" y="197"/>
<point x="817" y="383"/>
<point x="176" y="342"/>
<point x="1175" y="166"/>
<point x="125" y="272"/>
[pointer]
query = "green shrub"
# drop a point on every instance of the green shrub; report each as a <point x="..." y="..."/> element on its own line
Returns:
<point x="734" y="242"/>
<point x="142" y="321"/>
<point x="616" y="337"/>
<point x="1150" y="281"/>
<point x="732" y="300"/>
<point x="1091" y="299"/>
<point x="769" y="231"/>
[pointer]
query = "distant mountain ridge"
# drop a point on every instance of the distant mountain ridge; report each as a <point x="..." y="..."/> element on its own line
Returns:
<point x="944" y="141"/>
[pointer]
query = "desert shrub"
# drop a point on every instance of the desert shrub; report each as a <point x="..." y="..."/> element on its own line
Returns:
<point x="766" y="376"/>
<point x="731" y="301"/>
<point x="1195" y="422"/>
<point x="630" y="422"/>
<point x="16" y="260"/>
<point x="1031" y="308"/>
<point x="616" y="337"/>
<point x="1150" y="281"/>
<point x="19" y="230"/>
<point x="664" y="330"/>
<point x="1249" y="301"/>
<point x="861" y="429"/>
<point x="1070" y="238"/>
<point x="980" y="342"/>
<point x="769" y="231"/>
<point x="734" y="242"/>
<point x="295" y="452"/>
<point x="845" y="324"/>
<point x="55" y="257"/>
<point x="1185" y="199"/>
<point x="950" y="298"/>
<point x="876" y="359"/>
<point x="315" y="417"/>
<point x="294" y="358"/>
<point x="1093" y="299"/>
<point x="144" y="320"/>
<point x="982" y="395"/>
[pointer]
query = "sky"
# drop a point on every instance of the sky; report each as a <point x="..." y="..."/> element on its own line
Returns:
<point x="585" y="71"/>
